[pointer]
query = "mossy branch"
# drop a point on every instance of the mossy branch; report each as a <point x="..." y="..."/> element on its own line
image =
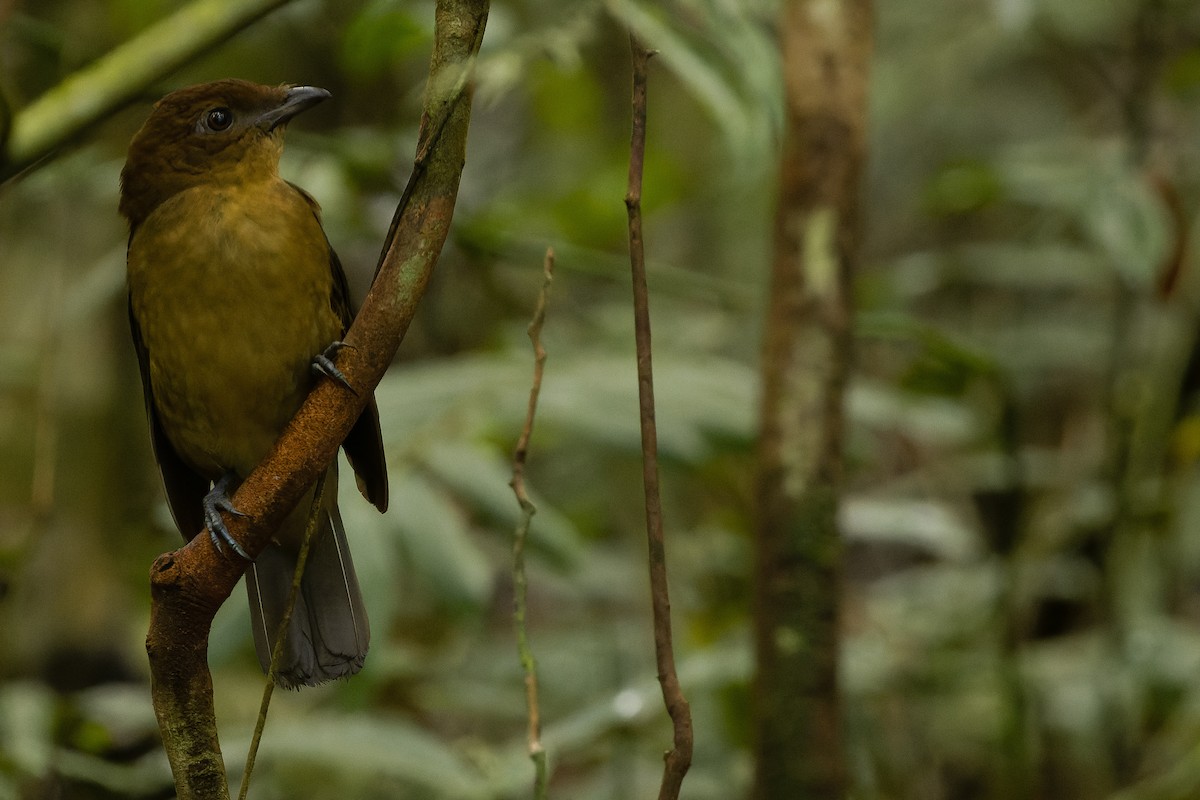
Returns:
<point x="84" y="98"/>
<point x="189" y="585"/>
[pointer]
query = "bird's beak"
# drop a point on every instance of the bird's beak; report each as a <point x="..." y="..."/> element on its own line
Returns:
<point x="297" y="99"/>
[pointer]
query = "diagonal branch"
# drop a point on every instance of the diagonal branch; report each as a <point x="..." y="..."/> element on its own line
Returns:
<point x="86" y="97"/>
<point x="679" y="757"/>
<point x="188" y="585"/>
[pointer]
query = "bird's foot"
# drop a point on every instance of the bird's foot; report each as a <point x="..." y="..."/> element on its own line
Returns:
<point x="322" y="364"/>
<point x="215" y="502"/>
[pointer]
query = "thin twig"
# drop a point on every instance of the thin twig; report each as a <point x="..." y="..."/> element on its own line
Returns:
<point x="314" y="513"/>
<point x="679" y="757"/>
<point x="528" y="664"/>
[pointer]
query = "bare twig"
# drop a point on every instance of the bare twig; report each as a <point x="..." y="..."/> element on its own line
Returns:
<point x="679" y="757"/>
<point x="314" y="514"/>
<point x="528" y="664"/>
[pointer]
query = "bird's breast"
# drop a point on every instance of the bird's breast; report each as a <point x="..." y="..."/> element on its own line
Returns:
<point x="231" y="290"/>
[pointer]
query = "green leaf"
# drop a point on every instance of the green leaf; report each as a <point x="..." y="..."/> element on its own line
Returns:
<point x="925" y="524"/>
<point x="1109" y="199"/>
<point x="748" y="114"/>
<point x="352" y="754"/>
<point x="481" y="477"/>
<point x="436" y="545"/>
<point x="27" y="719"/>
<point x="381" y="33"/>
<point x="961" y="188"/>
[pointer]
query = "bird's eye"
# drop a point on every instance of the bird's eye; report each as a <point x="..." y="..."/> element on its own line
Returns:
<point x="218" y="119"/>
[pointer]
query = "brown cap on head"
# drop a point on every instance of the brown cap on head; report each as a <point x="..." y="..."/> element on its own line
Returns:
<point x="223" y="131"/>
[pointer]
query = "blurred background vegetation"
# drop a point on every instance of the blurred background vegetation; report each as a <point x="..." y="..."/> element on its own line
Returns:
<point x="1022" y="599"/>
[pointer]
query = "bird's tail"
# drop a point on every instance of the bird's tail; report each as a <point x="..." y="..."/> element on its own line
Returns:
<point x="328" y="634"/>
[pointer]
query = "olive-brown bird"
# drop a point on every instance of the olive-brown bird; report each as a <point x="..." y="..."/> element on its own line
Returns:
<point x="235" y="295"/>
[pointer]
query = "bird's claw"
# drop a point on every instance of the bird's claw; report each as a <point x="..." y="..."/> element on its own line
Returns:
<point x="215" y="502"/>
<point x="322" y="364"/>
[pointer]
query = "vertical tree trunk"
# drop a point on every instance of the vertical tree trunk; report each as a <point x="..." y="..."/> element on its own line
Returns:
<point x="826" y="46"/>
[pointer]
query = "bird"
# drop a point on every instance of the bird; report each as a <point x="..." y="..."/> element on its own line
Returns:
<point x="237" y="304"/>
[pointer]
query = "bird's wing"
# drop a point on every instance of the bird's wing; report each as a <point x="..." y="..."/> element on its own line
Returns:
<point x="364" y="443"/>
<point x="185" y="487"/>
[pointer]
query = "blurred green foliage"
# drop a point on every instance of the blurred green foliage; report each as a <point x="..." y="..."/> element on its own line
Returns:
<point x="1023" y="576"/>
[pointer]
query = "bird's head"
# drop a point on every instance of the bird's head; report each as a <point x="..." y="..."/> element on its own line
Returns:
<point x="229" y="131"/>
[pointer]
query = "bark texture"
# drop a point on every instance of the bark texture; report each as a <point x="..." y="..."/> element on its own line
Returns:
<point x="826" y="46"/>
